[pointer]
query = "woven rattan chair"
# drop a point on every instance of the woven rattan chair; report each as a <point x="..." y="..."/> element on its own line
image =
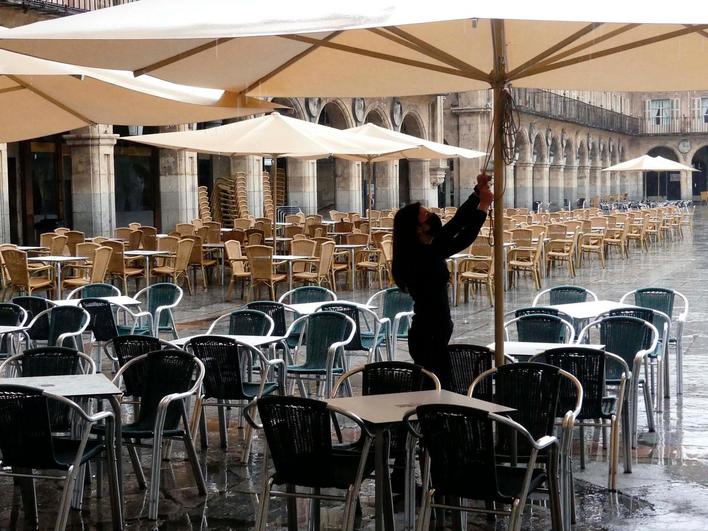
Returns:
<point x="199" y="260"/>
<point x="303" y="247"/>
<point x="322" y="269"/>
<point x="238" y="267"/>
<point x="477" y="271"/>
<point x="120" y="268"/>
<point x="224" y="381"/>
<point x="524" y="259"/>
<point x="260" y="262"/>
<point x="98" y="271"/>
<point x="170" y="378"/>
<point x="27" y="444"/>
<point x="185" y="229"/>
<point x="22" y="278"/>
<point x="299" y="436"/>
<point x="319" y="353"/>
<point x="460" y="462"/>
<point x="592" y="243"/>
<point x="179" y="269"/>
<point x="598" y="408"/>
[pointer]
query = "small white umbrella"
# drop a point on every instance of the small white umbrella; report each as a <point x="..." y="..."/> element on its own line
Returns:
<point x="648" y="163"/>
<point x="41" y="97"/>
<point x="275" y="135"/>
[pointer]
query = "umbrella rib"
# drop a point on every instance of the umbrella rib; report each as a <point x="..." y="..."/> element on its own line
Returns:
<point x="377" y="55"/>
<point x="51" y="100"/>
<point x="11" y="89"/>
<point x="288" y="63"/>
<point x="180" y="56"/>
<point x="615" y="50"/>
<point x="575" y="49"/>
<point x="399" y="36"/>
<point x="553" y="49"/>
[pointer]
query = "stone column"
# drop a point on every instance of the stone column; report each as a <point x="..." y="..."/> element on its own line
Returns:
<point x="540" y="182"/>
<point x="570" y="184"/>
<point x="252" y="166"/>
<point x="583" y="183"/>
<point x="421" y="189"/>
<point x="302" y="184"/>
<point x="686" y="185"/>
<point x="523" y="180"/>
<point x="595" y="187"/>
<point x="615" y="183"/>
<point x="4" y="197"/>
<point x="386" y="184"/>
<point x="93" y="180"/>
<point x="178" y="183"/>
<point x="606" y="180"/>
<point x="348" y="193"/>
<point x="509" y="186"/>
<point x="555" y="188"/>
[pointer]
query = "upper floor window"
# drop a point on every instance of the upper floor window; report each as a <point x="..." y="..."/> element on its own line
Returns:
<point x="704" y="110"/>
<point x="659" y="111"/>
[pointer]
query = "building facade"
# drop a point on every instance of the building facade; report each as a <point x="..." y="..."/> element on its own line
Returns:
<point x="93" y="181"/>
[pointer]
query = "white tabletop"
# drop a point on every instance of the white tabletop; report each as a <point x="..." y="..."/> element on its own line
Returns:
<point x="391" y="408"/>
<point x="31" y="248"/>
<point x="381" y="229"/>
<point x="253" y="341"/>
<point x="71" y="385"/>
<point x="213" y="245"/>
<point x="123" y="300"/>
<point x="350" y="246"/>
<point x="58" y="259"/>
<point x="290" y="257"/>
<point x="280" y="239"/>
<point x="528" y="349"/>
<point x="145" y="252"/>
<point x="589" y="309"/>
<point x="306" y="308"/>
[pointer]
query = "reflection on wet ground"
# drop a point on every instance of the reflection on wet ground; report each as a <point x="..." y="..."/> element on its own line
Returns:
<point x="668" y="488"/>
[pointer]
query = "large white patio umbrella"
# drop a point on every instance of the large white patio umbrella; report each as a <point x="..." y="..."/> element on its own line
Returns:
<point x="275" y="135"/>
<point x="420" y="149"/>
<point x="392" y="48"/>
<point x="40" y="97"/>
<point x="647" y="163"/>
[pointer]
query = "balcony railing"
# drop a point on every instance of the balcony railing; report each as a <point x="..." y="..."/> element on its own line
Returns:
<point x="59" y="7"/>
<point x="558" y="107"/>
<point x="674" y="126"/>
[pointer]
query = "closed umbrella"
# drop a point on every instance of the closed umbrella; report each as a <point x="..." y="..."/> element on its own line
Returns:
<point x="647" y="163"/>
<point x="40" y="97"/>
<point x="392" y="48"/>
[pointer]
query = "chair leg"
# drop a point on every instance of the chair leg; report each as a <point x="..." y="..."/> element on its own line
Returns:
<point x="648" y="406"/>
<point x="65" y="501"/>
<point x="194" y="461"/>
<point x="137" y="468"/>
<point x="223" y="427"/>
<point x="154" y="494"/>
<point x="263" y="507"/>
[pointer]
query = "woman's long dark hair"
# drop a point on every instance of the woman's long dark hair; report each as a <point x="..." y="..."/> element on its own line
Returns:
<point x="405" y="244"/>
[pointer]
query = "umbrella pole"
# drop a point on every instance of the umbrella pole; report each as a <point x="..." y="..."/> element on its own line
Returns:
<point x="368" y="195"/>
<point x="274" y="190"/>
<point x="498" y="226"/>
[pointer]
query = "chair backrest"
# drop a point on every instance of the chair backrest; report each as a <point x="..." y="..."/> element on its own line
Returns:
<point x="260" y="261"/>
<point x="246" y="323"/>
<point x="624" y="336"/>
<point x="168" y="244"/>
<point x="116" y="263"/>
<point x="357" y="239"/>
<point x="165" y="372"/>
<point x="123" y="233"/>
<point x="235" y="234"/>
<point x="16" y="266"/>
<point x="255" y="236"/>
<point x="74" y="237"/>
<point x="326" y="258"/>
<point x="94" y="291"/>
<point x="565" y="295"/>
<point x="467" y="362"/>
<point x="25" y="428"/>
<point x="293" y="219"/>
<point x="101" y="260"/>
<point x="102" y="323"/>
<point x="65" y="320"/>
<point x="86" y="249"/>
<point x="160" y="295"/>
<point x="533" y="389"/>
<point x="45" y="239"/>
<point x="394" y="302"/>
<point x="134" y="239"/>
<point x="233" y="253"/>
<point x="306" y="294"/>
<point x="197" y="254"/>
<point x="57" y="245"/>
<point x="351" y="311"/>
<point x="222" y="363"/>
<point x="184" y="252"/>
<point x="321" y="331"/>
<point x="185" y="229"/>
<point x="129" y="347"/>
<point x="274" y="310"/>
<point x="541" y="328"/>
<point x="392" y="377"/>
<point x="299" y="436"/>
<point x="51" y="361"/>
<point x="303" y="247"/>
<point x="661" y="299"/>
<point x="34" y="306"/>
<point x="10" y="315"/>
<point x="292" y="230"/>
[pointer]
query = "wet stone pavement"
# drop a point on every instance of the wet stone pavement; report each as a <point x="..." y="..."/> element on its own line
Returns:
<point x="668" y="489"/>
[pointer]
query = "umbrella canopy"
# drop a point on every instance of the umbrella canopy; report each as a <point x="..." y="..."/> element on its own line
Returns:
<point x="41" y="97"/>
<point x="420" y="148"/>
<point x="649" y="163"/>
<point x="384" y="48"/>
<point x="273" y="134"/>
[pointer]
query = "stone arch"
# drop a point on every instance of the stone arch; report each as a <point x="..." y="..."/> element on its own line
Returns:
<point x="376" y="115"/>
<point x="293" y="108"/>
<point x="582" y="157"/>
<point x="338" y="181"/>
<point x="663" y="184"/>
<point x="699" y="160"/>
<point x="539" y="152"/>
<point x="411" y="124"/>
<point x="523" y="146"/>
<point x="522" y="170"/>
<point x="569" y="153"/>
<point x="540" y="169"/>
<point x="555" y="152"/>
